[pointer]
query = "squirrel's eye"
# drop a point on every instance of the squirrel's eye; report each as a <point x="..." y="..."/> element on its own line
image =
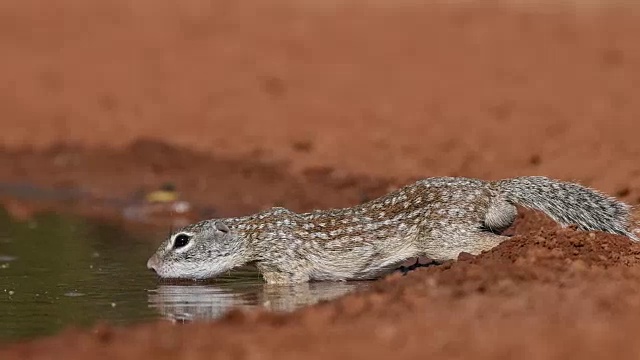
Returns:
<point x="180" y="241"/>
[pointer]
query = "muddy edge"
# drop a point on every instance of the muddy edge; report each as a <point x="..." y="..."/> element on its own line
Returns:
<point x="313" y="106"/>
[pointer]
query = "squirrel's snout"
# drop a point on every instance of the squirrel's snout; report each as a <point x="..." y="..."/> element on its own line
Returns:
<point x="152" y="263"/>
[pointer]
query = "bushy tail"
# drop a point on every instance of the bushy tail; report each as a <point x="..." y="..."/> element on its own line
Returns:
<point x="569" y="204"/>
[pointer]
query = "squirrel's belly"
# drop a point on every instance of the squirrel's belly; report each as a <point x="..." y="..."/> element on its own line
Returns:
<point x="363" y="267"/>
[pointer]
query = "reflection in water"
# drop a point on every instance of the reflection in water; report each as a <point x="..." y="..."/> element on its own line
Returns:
<point x="57" y="271"/>
<point x="211" y="301"/>
<point x="61" y="270"/>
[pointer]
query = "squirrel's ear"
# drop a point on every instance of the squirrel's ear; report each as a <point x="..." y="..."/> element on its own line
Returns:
<point x="220" y="226"/>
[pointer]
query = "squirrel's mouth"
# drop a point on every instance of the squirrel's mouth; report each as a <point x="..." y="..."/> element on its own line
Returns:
<point x="176" y="274"/>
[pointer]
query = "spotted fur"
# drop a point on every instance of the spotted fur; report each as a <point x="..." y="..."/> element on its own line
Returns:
<point x="435" y="217"/>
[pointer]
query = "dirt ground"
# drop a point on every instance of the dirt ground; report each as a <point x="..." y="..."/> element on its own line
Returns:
<point x="245" y="105"/>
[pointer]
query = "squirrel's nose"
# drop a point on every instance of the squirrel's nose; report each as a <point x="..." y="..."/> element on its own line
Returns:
<point x="152" y="263"/>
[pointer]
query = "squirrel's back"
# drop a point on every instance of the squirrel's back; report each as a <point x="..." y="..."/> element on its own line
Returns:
<point x="569" y="203"/>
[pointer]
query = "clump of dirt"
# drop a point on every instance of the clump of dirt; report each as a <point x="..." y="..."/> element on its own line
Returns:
<point x="553" y="242"/>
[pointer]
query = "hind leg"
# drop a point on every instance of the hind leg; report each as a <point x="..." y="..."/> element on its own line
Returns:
<point x="484" y="241"/>
<point x="445" y="247"/>
<point x="477" y="233"/>
<point x="499" y="216"/>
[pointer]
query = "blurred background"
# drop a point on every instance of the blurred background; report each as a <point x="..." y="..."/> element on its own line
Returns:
<point x="394" y="90"/>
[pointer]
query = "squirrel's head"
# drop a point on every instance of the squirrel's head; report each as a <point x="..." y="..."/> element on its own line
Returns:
<point x="199" y="251"/>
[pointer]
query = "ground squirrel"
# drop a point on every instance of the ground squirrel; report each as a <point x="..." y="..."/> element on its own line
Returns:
<point x="436" y="217"/>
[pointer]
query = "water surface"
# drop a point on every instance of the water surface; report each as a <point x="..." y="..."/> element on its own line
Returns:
<point x="61" y="270"/>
